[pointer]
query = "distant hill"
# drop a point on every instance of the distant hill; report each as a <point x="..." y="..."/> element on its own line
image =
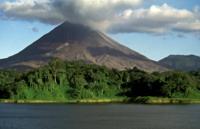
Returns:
<point x="181" y="62"/>
<point x="71" y="42"/>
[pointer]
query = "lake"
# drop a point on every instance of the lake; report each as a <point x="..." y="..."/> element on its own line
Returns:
<point x="102" y="116"/>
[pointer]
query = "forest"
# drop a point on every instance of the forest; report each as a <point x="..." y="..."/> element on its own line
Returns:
<point x="63" y="80"/>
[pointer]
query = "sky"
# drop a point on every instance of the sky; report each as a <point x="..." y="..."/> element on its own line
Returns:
<point x="154" y="28"/>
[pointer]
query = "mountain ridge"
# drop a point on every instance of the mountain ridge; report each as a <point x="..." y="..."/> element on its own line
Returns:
<point x="181" y="62"/>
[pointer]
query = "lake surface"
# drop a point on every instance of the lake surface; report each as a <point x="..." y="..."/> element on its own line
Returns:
<point x="104" y="116"/>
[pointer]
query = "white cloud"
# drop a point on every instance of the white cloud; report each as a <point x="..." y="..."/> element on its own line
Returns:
<point x="156" y="19"/>
<point x="115" y="16"/>
<point x="188" y="27"/>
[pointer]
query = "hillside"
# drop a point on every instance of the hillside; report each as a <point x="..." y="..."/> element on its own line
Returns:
<point x="181" y="62"/>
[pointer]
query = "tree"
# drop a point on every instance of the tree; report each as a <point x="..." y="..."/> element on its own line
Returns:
<point x="56" y="66"/>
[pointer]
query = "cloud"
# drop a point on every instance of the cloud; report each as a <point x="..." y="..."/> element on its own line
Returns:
<point x="156" y="19"/>
<point x="114" y="16"/>
<point x="188" y="27"/>
<point x="180" y="35"/>
<point x="31" y="10"/>
<point x="34" y="29"/>
<point x="56" y="11"/>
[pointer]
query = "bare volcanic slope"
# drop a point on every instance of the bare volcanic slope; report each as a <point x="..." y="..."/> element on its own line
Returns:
<point x="71" y="41"/>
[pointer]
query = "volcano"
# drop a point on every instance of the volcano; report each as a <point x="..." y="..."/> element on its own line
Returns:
<point x="70" y="41"/>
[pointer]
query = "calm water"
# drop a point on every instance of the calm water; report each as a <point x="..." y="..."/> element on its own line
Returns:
<point x="113" y="116"/>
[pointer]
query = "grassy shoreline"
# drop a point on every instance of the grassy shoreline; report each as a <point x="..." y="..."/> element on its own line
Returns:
<point x="75" y="101"/>
<point x="137" y="100"/>
<point x="159" y="100"/>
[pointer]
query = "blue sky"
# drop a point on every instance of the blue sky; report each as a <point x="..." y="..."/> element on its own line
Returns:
<point x="167" y="26"/>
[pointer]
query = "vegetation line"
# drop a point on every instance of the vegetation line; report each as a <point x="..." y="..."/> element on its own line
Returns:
<point x="138" y="100"/>
<point x="159" y="100"/>
<point x="86" y="101"/>
<point x="77" y="82"/>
